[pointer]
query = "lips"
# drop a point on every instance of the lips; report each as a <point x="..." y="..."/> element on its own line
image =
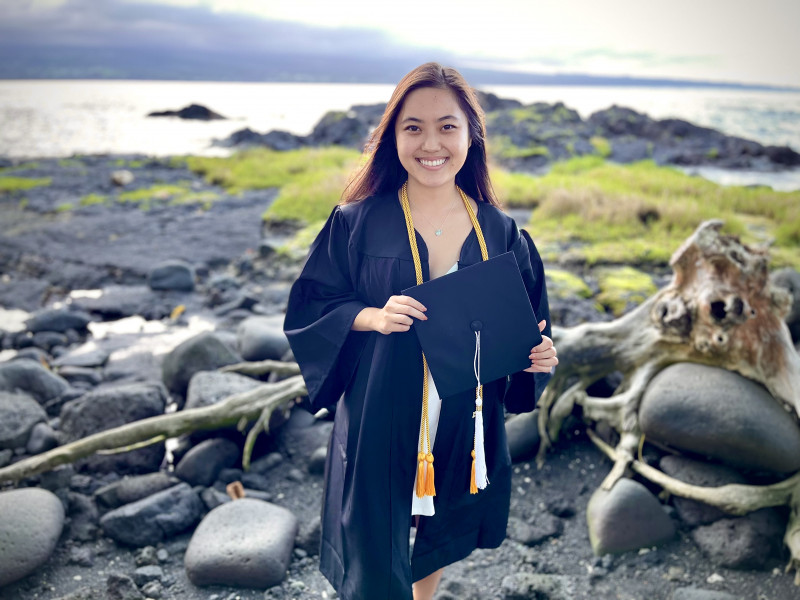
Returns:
<point x="432" y="163"/>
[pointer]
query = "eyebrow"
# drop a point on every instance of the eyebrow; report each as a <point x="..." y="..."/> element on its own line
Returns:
<point x="444" y="118"/>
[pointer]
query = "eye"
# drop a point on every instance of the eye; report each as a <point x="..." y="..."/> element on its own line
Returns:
<point x="412" y="128"/>
<point x="448" y="127"/>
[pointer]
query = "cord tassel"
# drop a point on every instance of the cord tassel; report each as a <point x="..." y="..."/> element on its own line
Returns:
<point x="421" y="475"/>
<point x="473" y="487"/>
<point x="430" y="488"/>
<point x="481" y="476"/>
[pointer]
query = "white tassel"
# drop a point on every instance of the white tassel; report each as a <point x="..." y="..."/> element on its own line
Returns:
<point x="481" y="477"/>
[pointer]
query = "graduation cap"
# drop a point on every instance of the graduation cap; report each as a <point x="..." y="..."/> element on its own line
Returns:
<point x="486" y="301"/>
<point x="480" y="327"/>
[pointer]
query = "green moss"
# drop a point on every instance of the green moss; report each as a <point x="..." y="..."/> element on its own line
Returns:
<point x="16" y="184"/>
<point x="156" y="192"/>
<point x="565" y="285"/>
<point x="64" y="207"/>
<point x="620" y="287"/>
<point x="92" y="199"/>
<point x="309" y="198"/>
<point x="502" y="147"/>
<point x="70" y="163"/>
<point x="206" y="198"/>
<point x="526" y="113"/>
<point x="602" y="145"/>
<point x="263" y="168"/>
<point x="713" y="153"/>
<point x="515" y="189"/>
<point x="129" y="164"/>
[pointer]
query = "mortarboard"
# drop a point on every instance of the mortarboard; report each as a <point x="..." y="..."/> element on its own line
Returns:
<point x="486" y="300"/>
<point x="483" y="307"/>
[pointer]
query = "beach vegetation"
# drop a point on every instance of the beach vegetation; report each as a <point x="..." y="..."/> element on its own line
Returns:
<point x="92" y="199"/>
<point x="563" y="285"/>
<point x="601" y="145"/>
<point x="514" y="189"/>
<point x="16" y="184"/>
<point x="64" y="207"/>
<point x="502" y="147"/>
<point x="309" y="197"/>
<point x="296" y="248"/>
<point x="156" y="192"/>
<point x="623" y="287"/>
<point x="71" y="163"/>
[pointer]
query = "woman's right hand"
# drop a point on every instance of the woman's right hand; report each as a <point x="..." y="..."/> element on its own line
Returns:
<point x="398" y="314"/>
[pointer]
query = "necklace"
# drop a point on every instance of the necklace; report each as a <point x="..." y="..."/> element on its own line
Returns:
<point x="438" y="230"/>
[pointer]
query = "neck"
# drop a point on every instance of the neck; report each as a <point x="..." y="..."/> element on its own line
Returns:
<point x="434" y="199"/>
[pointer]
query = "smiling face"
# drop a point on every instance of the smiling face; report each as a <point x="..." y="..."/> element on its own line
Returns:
<point x="432" y="136"/>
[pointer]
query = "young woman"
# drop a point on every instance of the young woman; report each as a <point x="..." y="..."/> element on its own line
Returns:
<point x="348" y="323"/>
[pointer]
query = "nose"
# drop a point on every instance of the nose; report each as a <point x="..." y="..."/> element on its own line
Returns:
<point x="431" y="142"/>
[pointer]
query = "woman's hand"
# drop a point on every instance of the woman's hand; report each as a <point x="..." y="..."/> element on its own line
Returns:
<point x="397" y="315"/>
<point x="543" y="357"/>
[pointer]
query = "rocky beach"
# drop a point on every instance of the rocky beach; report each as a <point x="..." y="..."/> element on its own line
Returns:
<point x="133" y="287"/>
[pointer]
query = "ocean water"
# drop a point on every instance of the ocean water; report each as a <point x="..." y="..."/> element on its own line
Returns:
<point x="64" y="117"/>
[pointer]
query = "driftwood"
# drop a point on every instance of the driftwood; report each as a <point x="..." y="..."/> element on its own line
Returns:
<point x="238" y="409"/>
<point x="720" y="310"/>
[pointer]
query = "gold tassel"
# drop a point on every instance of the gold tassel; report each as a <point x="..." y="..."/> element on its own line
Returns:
<point x="421" y="475"/>
<point x="473" y="487"/>
<point x="430" y="489"/>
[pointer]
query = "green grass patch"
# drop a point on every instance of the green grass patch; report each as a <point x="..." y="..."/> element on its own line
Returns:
<point x="641" y="213"/>
<point x="502" y="147"/>
<point x="297" y="247"/>
<point x="64" y="207"/>
<point x="70" y="163"/>
<point x="92" y="199"/>
<point x="623" y="286"/>
<point x="515" y="189"/>
<point x="565" y="285"/>
<point x="309" y="197"/>
<point x="17" y="184"/>
<point x="602" y="145"/>
<point x="161" y="192"/>
<point x="262" y="168"/>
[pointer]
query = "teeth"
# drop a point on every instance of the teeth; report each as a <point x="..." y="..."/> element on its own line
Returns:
<point x="432" y="163"/>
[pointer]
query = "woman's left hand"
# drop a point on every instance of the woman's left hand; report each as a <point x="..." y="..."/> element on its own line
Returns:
<point x="543" y="357"/>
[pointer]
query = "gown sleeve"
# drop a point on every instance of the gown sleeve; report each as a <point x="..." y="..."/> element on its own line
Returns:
<point x="322" y="307"/>
<point x="523" y="390"/>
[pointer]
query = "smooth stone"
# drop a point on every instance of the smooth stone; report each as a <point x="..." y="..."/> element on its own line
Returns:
<point x="522" y="432"/>
<point x="693" y="593"/>
<point x="262" y="338"/>
<point x="177" y="275"/>
<point x="42" y="438"/>
<point x="626" y="517"/>
<point x="113" y="406"/>
<point x="154" y="519"/>
<point x="316" y="462"/>
<point x="683" y="408"/>
<point x="33" y="379"/>
<point x="704" y="474"/>
<point x="19" y="415"/>
<point x="49" y="340"/>
<point x="58" y="319"/>
<point x="133" y="488"/>
<point x="31" y="524"/>
<point x="86" y="356"/>
<point x="203" y="352"/>
<point x="207" y="388"/>
<point x="203" y="463"/>
<point x="746" y="542"/>
<point x="81" y="375"/>
<point x="245" y="543"/>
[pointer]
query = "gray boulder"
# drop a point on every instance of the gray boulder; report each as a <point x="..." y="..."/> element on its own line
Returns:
<point x="33" y="379"/>
<point x="243" y="543"/>
<point x="42" y="438"/>
<point x="206" y="388"/>
<point x="58" y="319"/>
<point x="789" y="279"/>
<point x="204" y="352"/>
<point x="316" y="462"/>
<point x="154" y="519"/>
<point x="119" y="301"/>
<point x="31" y="524"/>
<point x="742" y="543"/>
<point x="175" y="275"/>
<point x="693" y="593"/>
<point x="133" y="488"/>
<point x="704" y="474"/>
<point x="19" y="414"/>
<point x="626" y="517"/>
<point x="720" y="414"/>
<point x="262" y="338"/>
<point x="522" y="432"/>
<point x="534" y="586"/>
<point x="85" y="356"/>
<point x="112" y="406"/>
<point x="203" y="463"/>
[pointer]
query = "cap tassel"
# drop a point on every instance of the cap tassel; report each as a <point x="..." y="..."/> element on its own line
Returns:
<point x="478" y="477"/>
<point x="421" y="475"/>
<point x="430" y="488"/>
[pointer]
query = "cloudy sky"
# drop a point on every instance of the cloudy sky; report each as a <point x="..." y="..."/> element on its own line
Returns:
<point x="718" y="40"/>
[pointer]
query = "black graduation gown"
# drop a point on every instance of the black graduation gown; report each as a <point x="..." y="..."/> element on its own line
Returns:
<point x="359" y="259"/>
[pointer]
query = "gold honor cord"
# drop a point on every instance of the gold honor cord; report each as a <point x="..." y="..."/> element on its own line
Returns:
<point x="425" y="476"/>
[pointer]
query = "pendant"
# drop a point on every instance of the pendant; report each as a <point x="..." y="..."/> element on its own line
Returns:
<point x="438" y="232"/>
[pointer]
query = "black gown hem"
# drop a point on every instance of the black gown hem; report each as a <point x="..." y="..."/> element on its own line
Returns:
<point x="456" y="550"/>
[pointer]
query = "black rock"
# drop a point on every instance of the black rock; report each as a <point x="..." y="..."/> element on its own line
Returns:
<point x="203" y="463"/>
<point x="193" y="111"/>
<point x="131" y="489"/>
<point x="122" y="587"/>
<point x="57" y="319"/>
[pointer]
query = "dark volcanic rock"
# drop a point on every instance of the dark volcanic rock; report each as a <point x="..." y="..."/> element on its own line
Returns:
<point x="193" y="111"/>
<point x="204" y="352"/>
<point x="57" y="319"/>
<point x="742" y="543"/>
<point x="340" y="128"/>
<point x="33" y="379"/>
<point x="131" y="489"/>
<point x="19" y="414"/>
<point x="176" y="275"/>
<point x="203" y="463"/>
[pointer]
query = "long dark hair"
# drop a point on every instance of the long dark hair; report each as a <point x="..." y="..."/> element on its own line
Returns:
<point x="381" y="170"/>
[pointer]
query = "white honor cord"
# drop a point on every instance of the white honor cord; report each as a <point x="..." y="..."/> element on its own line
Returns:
<point x="481" y="476"/>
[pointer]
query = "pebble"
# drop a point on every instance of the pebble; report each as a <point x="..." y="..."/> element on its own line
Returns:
<point x="715" y="578"/>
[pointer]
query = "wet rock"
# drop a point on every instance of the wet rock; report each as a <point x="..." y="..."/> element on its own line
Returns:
<point x="244" y="543"/>
<point x="204" y="352"/>
<point x="206" y="388"/>
<point x="19" y="415"/>
<point x="789" y="279"/>
<point x="131" y="489"/>
<point x="533" y="586"/>
<point x="58" y="319"/>
<point x="681" y="408"/>
<point x="693" y="593"/>
<point x="122" y="587"/>
<point x="626" y="517"/>
<point x="742" y="543"/>
<point x="522" y="432"/>
<point x="151" y="520"/>
<point x="42" y="438"/>
<point x="176" y="275"/>
<point x="262" y="338"/>
<point x="33" y="379"/>
<point x="29" y="531"/>
<point x="700" y="473"/>
<point x="112" y="406"/>
<point x="203" y="463"/>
